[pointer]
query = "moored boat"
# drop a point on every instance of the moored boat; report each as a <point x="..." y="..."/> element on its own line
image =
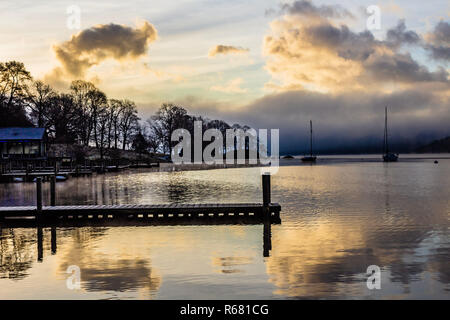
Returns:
<point x="311" y="157"/>
<point x="387" y="156"/>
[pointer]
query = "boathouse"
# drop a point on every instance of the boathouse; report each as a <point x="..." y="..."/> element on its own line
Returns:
<point x="23" y="143"/>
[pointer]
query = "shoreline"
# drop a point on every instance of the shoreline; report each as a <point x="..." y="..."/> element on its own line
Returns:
<point x="296" y="161"/>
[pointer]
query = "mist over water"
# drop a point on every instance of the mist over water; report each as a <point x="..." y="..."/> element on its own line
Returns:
<point x="338" y="217"/>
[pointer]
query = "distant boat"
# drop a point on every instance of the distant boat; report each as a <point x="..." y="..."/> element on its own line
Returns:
<point x="310" y="158"/>
<point x="387" y="156"/>
<point x="288" y="157"/>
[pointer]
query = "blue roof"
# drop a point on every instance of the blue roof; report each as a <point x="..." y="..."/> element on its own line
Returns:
<point x="14" y="133"/>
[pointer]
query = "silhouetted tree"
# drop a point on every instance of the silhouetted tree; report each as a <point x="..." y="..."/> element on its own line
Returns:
<point x="128" y="121"/>
<point x="62" y="118"/>
<point x="140" y="143"/>
<point x="116" y="108"/>
<point x="86" y="116"/>
<point x="39" y="100"/>
<point x="80" y="90"/>
<point x="167" y="119"/>
<point x="14" y="80"/>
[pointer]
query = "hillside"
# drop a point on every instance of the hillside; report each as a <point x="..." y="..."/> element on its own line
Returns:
<point x="437" y="146"/>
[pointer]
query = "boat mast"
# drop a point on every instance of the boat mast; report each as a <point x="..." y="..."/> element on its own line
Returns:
<point x="310" y="144"/>
<point x="386" y="147"/>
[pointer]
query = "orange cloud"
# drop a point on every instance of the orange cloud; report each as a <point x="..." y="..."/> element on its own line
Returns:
<point x="221" y="49"/>
<point x="96" y="44"/>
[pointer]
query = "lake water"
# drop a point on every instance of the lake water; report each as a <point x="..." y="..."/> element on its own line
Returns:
<point x="338" y="218"/>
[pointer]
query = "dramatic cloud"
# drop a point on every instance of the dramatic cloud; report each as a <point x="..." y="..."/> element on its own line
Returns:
<point x="110" y="41"/>
<point x="343" y="80"/>
<point x="439" y="41"/>
<point x="221" y="49"/>
<point x="307" y="49"/>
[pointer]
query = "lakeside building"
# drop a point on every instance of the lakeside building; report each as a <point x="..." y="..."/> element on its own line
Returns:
<point x="23" y="143"/>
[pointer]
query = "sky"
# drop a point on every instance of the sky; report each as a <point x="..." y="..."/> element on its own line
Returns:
<point x="265" y="63"/>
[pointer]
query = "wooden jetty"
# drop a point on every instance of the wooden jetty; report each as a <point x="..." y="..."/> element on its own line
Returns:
<point x="146" y="214"/>
<point x="46" y="175"/>
<point x="167" y="213"/>
<point x="28" y="169"/>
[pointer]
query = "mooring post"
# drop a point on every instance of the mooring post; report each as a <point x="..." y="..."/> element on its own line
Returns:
<point x="266" y="189"/>
<point x="53" y="191"/>
<point x="39" y="193"/>
<point x="266" y="194"/>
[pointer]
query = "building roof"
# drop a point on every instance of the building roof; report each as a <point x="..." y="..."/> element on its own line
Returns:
<point x="15" y="133"/>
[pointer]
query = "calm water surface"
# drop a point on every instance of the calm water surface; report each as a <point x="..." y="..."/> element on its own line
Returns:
<point x="337" y="219"/>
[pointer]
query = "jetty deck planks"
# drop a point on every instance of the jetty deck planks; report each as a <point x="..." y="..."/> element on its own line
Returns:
<point x="155" y="212"/>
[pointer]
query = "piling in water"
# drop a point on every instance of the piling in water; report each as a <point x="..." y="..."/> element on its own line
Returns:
<point x="40" y="246"/>
<point x="53" y="240"/>
<point x="53" y="191"/>
<point x="39" y="194"/>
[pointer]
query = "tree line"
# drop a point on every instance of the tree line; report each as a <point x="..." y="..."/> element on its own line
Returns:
<point x="86" y="116"/>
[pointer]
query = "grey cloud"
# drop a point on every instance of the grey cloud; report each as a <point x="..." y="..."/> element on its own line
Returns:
<point x="350" y="45"/>
<point x="441" y="33"/>
<point x="305" y="7"/>
<point x="401" y="68"/>
<point x="439" y="41"/>
<point x="399" y="35"/>
<point x="440" y="53"/>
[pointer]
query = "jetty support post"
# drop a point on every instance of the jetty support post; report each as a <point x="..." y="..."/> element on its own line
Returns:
<point x="53" y="191"/>
<point x="40" y="244"/>
<point x="266" y="195"/>
<point x="267" y="239"/>
<point x="53" y="240"/>
<point x="39" y="194"/>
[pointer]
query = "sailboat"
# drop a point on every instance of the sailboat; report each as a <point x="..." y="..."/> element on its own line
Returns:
<point x="387" y="156"/>
<point x="310" y="158"/>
